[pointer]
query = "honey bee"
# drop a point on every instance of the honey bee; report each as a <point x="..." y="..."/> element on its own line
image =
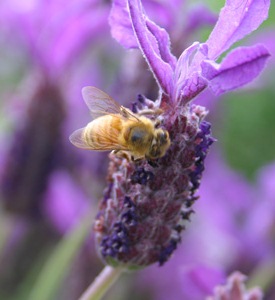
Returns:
<point x="114" y="127"/>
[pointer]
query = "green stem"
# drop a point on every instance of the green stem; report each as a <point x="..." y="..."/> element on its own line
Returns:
<point x="101" y="284"/>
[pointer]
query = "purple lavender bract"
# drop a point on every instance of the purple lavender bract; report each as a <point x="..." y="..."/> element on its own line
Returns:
<point x="146" y="205"/>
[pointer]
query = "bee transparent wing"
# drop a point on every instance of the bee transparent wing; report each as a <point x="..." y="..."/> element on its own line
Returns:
<point x="100" y="104"/>
<point x="76" y="138"/>
<point x="106" y="141"/>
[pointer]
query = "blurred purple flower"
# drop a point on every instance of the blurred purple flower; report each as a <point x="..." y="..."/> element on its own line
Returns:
<point x="258" y="227"/>
<point x="64" y="206"/>
<point x="185" y="276"/>
<point x="33" y="153"/>
<point x="172" y="16"/>
<point x="40" y="177"/>
<point x="234" y="289"/>
<point x="145" y="207"/>
<point x="121" y="27"/>
<point x="236" y="218"/>
<point x="52" y="40"/>
<point x="231" y="211"/>
<point x="53" y="36"/>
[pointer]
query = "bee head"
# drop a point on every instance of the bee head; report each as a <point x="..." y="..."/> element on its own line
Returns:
<point x="160" y="144"/>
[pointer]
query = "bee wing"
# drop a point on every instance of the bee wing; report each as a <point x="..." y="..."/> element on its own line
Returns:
<point x="105" y="142"/>
<point x="100" y="103"/>
<point x="76" y="138"/>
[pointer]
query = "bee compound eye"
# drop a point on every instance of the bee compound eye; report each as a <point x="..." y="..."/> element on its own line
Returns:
<point x="137" y="135"/>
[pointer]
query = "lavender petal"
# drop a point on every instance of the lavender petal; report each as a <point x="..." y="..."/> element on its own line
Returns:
<point x="236" y="20"/>
<point x="120" y="23"/>
<point x="163" y="43"/>
<point x="149" y="45"/>
<point x="192" y="87"/>
<point x="240" y="67"/>
<point x="188" y="79"/>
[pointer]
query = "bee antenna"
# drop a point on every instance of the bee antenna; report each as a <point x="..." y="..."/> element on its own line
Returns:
<point x="134" y="107"/>
<point x="157" y="123"/>
<point x="141" y="98"/>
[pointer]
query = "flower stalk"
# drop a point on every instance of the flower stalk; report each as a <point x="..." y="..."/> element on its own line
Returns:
<point x="97" y="289"/>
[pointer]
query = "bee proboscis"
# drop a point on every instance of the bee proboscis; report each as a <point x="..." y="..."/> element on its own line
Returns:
<point x="114" y="127"/>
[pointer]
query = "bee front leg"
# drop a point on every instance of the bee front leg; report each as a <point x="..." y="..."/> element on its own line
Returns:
<point x="157" y="123"/>
<point x="149" y="111"/>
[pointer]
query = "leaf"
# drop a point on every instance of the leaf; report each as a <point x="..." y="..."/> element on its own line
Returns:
<point x="58" y="264"/>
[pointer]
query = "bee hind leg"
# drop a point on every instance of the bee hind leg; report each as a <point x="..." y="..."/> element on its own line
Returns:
<point x="127" y="155"/>
<point x="122" y="154"/>
<point x="137" y="159"/>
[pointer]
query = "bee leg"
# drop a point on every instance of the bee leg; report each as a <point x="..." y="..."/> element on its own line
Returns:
<point x="116" y="152"/>
<point x="154" y="112"/>
<point x="122" y="154"/>
<point x="157" y="123"/>
<point x="127" y="155"/>
<point x="124" y="112"/>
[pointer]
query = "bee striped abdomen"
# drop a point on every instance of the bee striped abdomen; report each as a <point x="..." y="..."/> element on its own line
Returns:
<point x="103" y="132"/>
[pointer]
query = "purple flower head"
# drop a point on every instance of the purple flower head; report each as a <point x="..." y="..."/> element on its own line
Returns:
<point x="65" y="202"/>
<point x="146" y="204"/>
<point x="53" y="36"/>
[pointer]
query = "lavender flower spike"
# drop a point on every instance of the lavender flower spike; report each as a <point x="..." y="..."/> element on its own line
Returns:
<point x="146" y="204"/>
